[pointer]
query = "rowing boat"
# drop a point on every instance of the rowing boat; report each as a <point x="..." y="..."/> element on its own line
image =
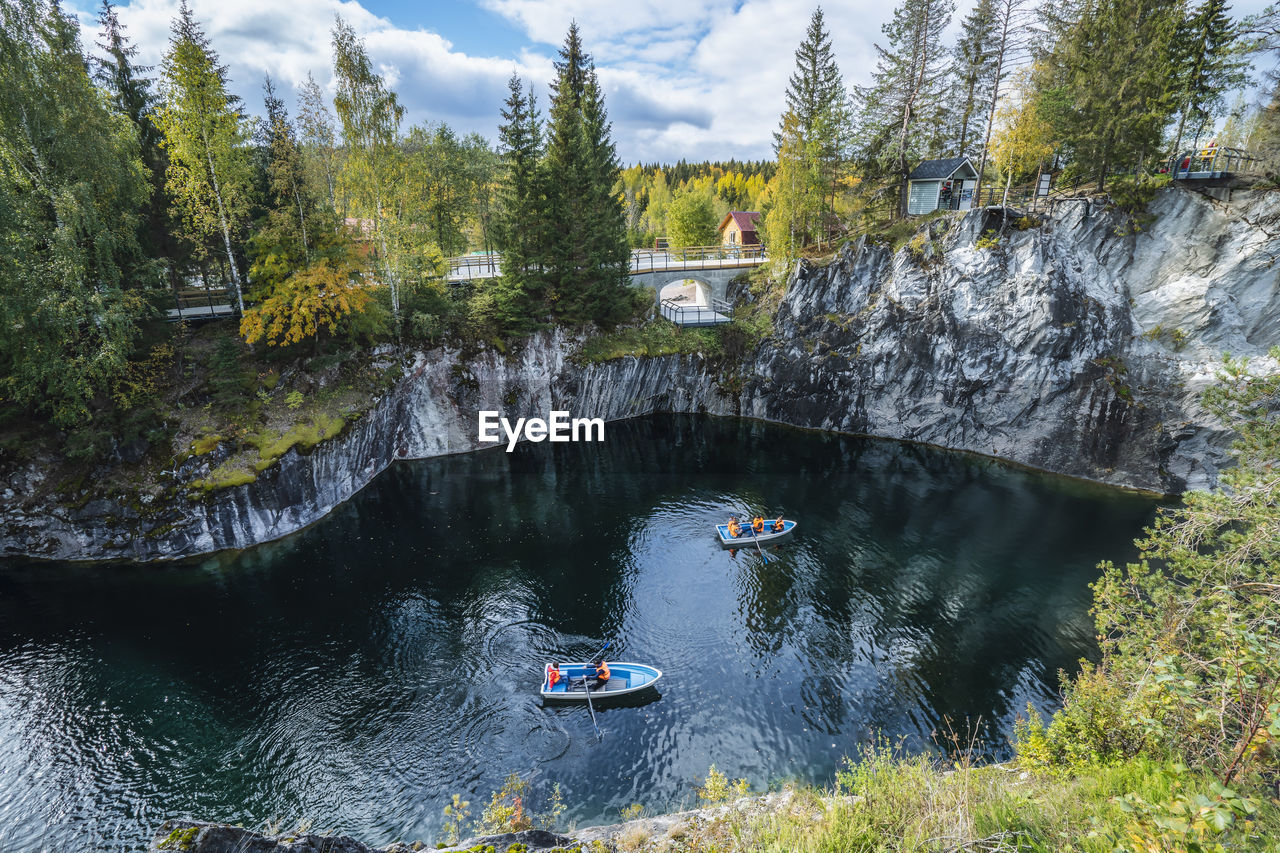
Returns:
<point x="624" y="679"/>
<point x="745" y="540"/>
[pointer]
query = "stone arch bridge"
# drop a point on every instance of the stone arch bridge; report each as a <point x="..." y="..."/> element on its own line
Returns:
<point x="690" y="285"/>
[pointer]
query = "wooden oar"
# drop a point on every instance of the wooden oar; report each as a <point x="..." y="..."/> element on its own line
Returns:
<point x="757" y="541"/>
<point x="587" y="688"/>
<point x="591" y="708"/>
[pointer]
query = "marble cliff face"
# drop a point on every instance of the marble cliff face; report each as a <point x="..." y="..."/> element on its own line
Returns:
<point x="1067" y="348"/>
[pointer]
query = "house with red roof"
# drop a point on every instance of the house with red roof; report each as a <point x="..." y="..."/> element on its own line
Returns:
<point x="738" y="228"/>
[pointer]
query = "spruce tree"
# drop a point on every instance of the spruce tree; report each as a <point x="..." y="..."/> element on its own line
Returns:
<point x="816" y="98"/>
<point x="130" y="90"/>
<point x="905" y="98"/>
<point x="521" y="220"/>
<point x="1110" y="75"/>
<point x="610" y="254"/>
<point x="586" y="249"/>
<point x="815" y="87"/>
<point x="1205" y="66"/>
<point x="286" y="180"/>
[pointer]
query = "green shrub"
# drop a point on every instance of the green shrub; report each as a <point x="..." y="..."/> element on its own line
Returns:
<point x="655" y="338"/>
<point x="717" y="788"/>
<point x="1097" y="726"/>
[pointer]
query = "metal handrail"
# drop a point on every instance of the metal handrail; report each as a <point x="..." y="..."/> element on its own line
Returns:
<point x="686" y="314"/>
<point x="642" y="260"/>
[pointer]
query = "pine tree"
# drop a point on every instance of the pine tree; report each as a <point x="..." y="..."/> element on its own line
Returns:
<point x="905" y="98"/>
<point x="73" y="280"/>
<point x="370" y="114"/>
<point x="208" y="175"/>
<point x="587" y="252"/>
<point x="974" y="57"/>
<point x="1205" y="67"/>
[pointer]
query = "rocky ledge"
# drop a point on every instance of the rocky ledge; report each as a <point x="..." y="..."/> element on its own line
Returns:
<point x="660" y="832"/>
<point x="1071" y="346"/>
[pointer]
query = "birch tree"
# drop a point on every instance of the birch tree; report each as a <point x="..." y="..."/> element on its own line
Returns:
<point x="1011" y="35"/>
<point x="370" y="114"/>
<point x="318" y="137"/>
<point x="208" y="171"/>
<point x="1022" y="139"/>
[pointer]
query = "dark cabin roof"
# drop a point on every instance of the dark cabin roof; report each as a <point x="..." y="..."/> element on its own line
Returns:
<point x="745" y="220"/>
<point x="938" y="170"/>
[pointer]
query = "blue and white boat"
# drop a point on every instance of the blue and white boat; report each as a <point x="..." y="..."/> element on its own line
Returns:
<point x="747" y="539"/>
<point x="624" y="679"/>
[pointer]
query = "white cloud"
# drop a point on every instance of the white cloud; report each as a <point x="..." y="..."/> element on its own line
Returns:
<point x="692" y="79"/>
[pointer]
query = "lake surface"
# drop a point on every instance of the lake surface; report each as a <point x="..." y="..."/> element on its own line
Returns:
<point x="356" y="675"/>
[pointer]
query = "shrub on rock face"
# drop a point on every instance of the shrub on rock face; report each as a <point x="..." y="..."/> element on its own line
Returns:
<point x="1191" y="643"/>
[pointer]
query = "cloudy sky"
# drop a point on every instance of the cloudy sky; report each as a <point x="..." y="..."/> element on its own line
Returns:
<point x="693" y="79"/>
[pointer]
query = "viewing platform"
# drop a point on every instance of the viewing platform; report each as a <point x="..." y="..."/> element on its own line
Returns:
<point x="693" y="315"/>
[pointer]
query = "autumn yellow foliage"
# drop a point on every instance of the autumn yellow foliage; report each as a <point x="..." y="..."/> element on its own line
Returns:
<point x="315" y="298"/>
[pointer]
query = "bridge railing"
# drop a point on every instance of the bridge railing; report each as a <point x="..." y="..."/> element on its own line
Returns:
<point x="642" y="260"/>
<point x="695" y="257"/>
<point x="475" y="266"/>
<point x="690" y="315"/>
<point x="193" y="302"/>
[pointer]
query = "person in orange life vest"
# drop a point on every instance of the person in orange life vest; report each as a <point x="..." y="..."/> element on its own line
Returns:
<point x="602" y="674"/>
<point x="735" y="529"/>
<point x="757" y="524"/>
<point x="553" y="675"/>
<point x="778" y="525"/>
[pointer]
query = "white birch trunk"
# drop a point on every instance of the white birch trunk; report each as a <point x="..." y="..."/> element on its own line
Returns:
<point x="222" y="220"/>
<point x="1005" y="24"/>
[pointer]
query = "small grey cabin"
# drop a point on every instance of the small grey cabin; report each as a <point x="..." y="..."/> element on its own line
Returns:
<point x="941" y="185"/>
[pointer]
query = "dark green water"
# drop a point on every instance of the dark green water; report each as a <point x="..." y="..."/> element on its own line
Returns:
<point x="359" y="673"/>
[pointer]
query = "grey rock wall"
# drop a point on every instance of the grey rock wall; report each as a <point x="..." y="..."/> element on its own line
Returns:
<point x="1067" y="348"/>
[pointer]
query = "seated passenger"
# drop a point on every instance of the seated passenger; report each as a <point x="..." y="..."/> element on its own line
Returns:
<point x="602" y="674"/>
<point x="757" y="524"/>
<point x="735" y="529"/>
<point x="553" y="675"/>
<point x="778" y="525"/>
